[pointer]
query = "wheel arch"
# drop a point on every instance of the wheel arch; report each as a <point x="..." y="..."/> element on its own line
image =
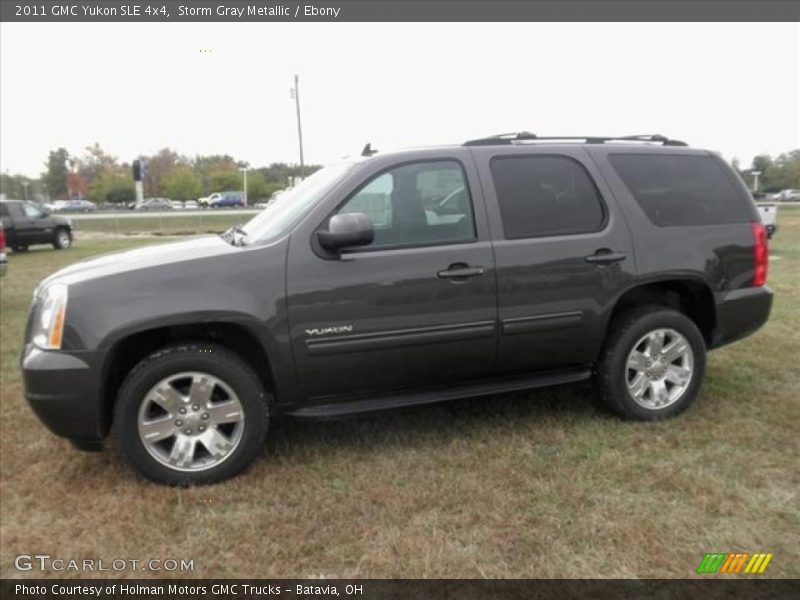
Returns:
<point x="128" y="350"/>
<point x="691" y="296"/>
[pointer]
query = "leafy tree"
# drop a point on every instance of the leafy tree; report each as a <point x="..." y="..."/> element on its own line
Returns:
<point x="13" y="186"/>
<point x="779" y="173"/>
<point x="157" y="168"/>
<point x="206" y="166"/>
<point x="182" y="183"/>
<point x="95" y="162"/>
<point x="280" y="173"/>
<point x="258" y="188"/>
<point x="227" y="180"/>
<point x="55" y="178"/>
<point x="112" y="186"/>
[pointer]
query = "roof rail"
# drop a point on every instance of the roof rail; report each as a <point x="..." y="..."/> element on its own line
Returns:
<point x="502" y="138"/>
<point x="526" y="136"/>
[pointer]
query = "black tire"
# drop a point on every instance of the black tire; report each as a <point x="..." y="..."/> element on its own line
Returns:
<point x="20" y="248"/>
<point x="206" y="358"/>
<point x="625" y="331"/>
<point x="62" y="239"/>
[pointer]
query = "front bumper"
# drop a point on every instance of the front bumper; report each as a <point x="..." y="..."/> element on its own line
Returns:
<point x="64" y="390"/>
<point x="741" y="313"/>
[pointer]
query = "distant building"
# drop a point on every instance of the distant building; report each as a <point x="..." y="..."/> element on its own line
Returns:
<point x="76" y="186"/>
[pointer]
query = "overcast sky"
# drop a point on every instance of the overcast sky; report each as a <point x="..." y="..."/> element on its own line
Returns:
<point x="138" y="87"/>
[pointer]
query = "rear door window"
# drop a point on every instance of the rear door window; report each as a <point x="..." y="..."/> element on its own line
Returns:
<point x="681" y="190"/>
<point x="543" y="195"/>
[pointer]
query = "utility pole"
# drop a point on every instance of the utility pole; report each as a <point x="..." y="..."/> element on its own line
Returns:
<point x="25" y="185"/>
<point x="755" y="178"/>
<point x="244" y="171"/>
<point x="296" y="96"/>
<point x="138" y="176"/>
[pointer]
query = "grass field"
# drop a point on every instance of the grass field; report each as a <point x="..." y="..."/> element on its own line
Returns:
<point x="199" y="222"/>
<point x="543" y="484"/>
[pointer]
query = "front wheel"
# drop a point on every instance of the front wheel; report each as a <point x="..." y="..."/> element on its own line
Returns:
<point x="193" y="414"/>
<point x="62" y="239"/>
<point x="652" y="365"/>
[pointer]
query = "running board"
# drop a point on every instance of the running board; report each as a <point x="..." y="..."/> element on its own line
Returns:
<point x="441" y="394"/>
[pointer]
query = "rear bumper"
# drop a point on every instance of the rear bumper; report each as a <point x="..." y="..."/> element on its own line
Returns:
<point x="63" y="389"/>
<point x="741" y="313"/>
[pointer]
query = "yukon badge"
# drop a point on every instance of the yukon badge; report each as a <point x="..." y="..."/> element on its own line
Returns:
<point x="330" y="330"/>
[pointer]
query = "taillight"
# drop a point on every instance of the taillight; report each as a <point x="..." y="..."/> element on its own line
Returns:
<point x="2" y="238"/>
<point x="760" y="254"/>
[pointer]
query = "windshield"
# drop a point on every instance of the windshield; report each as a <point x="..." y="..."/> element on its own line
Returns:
<point x="285" y="210"/>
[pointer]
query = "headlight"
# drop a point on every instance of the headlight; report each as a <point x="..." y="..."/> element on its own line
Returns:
<point x="48" y="324"/>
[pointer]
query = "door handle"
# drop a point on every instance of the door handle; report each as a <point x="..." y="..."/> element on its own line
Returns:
<point x="460" y="271"/>
<point x="604" y="256"/>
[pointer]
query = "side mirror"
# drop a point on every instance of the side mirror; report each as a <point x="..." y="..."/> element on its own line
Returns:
<point x="346" y="231"/>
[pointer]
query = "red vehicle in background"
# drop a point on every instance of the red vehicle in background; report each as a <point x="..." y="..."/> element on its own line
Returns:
<point x="3" y="260"/>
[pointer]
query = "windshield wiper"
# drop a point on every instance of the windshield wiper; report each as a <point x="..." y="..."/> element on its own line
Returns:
<point x="235" y="235"/>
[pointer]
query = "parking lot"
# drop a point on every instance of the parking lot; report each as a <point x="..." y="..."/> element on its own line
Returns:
<point x="540" y="484"/>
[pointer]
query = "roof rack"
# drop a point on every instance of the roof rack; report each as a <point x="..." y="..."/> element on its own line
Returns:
<point x="527" y="136"/>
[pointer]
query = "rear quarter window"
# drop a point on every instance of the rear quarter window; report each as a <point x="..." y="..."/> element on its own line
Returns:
<point x="681" y="190"/>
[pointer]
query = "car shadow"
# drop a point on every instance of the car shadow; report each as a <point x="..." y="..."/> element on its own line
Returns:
<point x="435" y="424"/>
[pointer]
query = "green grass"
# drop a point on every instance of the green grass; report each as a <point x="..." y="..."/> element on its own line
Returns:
<point x="199" y="222"/>
<point x="542" y="484"/>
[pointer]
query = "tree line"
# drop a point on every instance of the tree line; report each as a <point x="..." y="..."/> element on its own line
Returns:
<point x="775" y="174"/>
<point x="102" y="178"/>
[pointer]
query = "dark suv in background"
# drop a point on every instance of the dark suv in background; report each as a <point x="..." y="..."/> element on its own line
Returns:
<point x="27" y="224"/>
<point x="505" y="263"/>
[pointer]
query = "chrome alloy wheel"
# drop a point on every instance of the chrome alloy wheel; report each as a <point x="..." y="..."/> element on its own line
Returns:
<point x="659" y="369"/>
<point x="63" y="240"/>
<point x="191" y="421"/>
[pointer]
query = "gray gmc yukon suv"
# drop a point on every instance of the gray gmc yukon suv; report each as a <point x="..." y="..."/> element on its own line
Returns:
<point x="505" y="263"/>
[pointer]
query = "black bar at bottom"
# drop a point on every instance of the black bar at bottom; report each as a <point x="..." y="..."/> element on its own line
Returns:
<point x="415" y="589"/>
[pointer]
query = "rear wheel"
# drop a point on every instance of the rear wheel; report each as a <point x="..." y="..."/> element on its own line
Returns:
<point x="193" y="414"/>
<point x="62" y="239"/>
<point x="652" y="365"/>
<point x="20" y="248"/>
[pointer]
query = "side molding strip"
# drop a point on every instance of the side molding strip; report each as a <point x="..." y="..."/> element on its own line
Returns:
<point x="541" y="322"/>
<point x="384" y="340"/>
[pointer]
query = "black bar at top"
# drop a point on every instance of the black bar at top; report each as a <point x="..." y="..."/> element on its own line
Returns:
<point x="404" y="10"/>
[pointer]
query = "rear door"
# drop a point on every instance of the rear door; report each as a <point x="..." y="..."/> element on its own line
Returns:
<point x="417" y="306"/>
<point x="562" y="252"/>
<point x="24" y="229"/>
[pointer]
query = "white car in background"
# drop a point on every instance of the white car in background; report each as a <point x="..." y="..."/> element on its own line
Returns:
<point x="206" y="202"/>
<point x="56" y="206"/>
<point x="790" y="196"/>
<point x="191" y="205"/>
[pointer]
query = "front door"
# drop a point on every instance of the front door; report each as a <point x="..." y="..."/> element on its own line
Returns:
<point x="414" y="308"/>
<point x="39" y="227"/>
